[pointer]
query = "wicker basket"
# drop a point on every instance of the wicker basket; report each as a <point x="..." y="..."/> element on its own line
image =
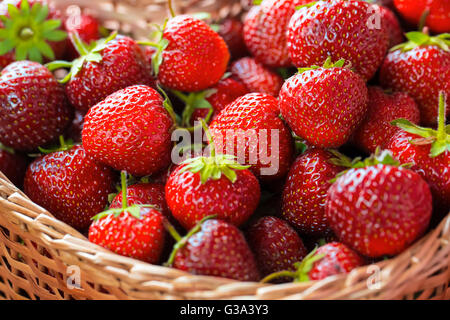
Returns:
<point x="43" y="258"/>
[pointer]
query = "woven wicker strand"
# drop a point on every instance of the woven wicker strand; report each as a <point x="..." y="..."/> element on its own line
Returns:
<point x="41" y="257"/>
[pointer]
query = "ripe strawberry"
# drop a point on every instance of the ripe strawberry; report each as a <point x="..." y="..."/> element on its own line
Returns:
<point x="392" y="25"/>
<point x="275" y="244"/>
<point x="265" y="29"/>
<point x="421" y="68"/>
<point x="30" y="29"/>
<point x="376" y="129"/>
<point x="250" y="129"/>
<point x="324" y="105"/>
<point x="306" y="189"/>
<point x="377" y="208"/>
<point x="215" y="248"/>
<point x="190" y="56"/>
<point x="70" y="185"/>
<point x="340" y="30"/>
<point x="428" y="151"/>
<point x="86" y="26"/>
<point x="113" y="64"/>
<point x="438" y="19"/>
<point x="130" y="130"/>
<point x="13" y="165"/>
<point x="135" y="231"/>
<point x="256" y="77"/>
<point x="231" y="30"/>
<point x="33" y="108"/>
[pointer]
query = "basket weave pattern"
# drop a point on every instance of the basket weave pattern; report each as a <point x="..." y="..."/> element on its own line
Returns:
<point x="42" y="258"/>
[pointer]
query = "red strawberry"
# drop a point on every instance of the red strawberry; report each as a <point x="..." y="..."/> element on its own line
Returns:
<point x="250" y="129"/>
<point x="275" y="244"/>
<point x="86" y="26"/>
<point x="256" y="77"/>
<point x="131" y="230"/>
<point x="190" y="56"/>
<point x="376" y="129"/>
<point x="70" y="185"/>
<point x="113" y="64"/>
<point x="392" y="25"/>
<point x="130" y="130"/>
<point x="428" y="151"/>
<point x="216" y="248"/>
<point x="306" y="189"/>
<point x="340" y="30"/>
<point x="421" y="68"/>
<point x="438" y="18"/>
<point x="379" y="209"/>
<point x="231" y="30"/>
<point x="31" y="30"/>
<point x="324" y="105"/>
<point x="265" y="29"/>
<point x="33" y="108"/>
<point x="13" y="165"/>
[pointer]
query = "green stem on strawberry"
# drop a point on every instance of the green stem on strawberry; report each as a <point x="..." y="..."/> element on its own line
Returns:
<point x="420" y="38"/>
<point x="423" y="19"/>
<point x="210" y="138"/>
<point x="171" y="10"/>
<point x="123" y="180"/>
<point x="168" y="106"/>
<point x="307" y="5"/>
<point x="160" y="44"/>
<point x="327" y="65"/>
<point x="64" y="145"/>
<point x="193" y="101"/>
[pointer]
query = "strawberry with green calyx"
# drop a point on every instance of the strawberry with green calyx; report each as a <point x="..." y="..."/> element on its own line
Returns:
<point x="135" y="231"/>
<point x="30" y="30"/>
<point x="214" y="248"/>
<point x="86" y="26"/>
<point x="215" y="184"/>
<point x="195" y="101"/>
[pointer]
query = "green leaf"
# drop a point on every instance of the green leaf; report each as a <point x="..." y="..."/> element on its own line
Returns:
<point x="42" y="13"/>
<point x="417" y="37"/>
<point x="35" y="55"/>
<point x="6" y="46"/>
<point x="21" y="52"/>
<point x="50" y="25"/>
<point x="55" y="35"/>
<point x="46" y="50"/>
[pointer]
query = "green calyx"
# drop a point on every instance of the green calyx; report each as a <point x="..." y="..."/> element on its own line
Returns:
<point x="27" y="32"/>
<point x="438" y="139"/>
<point x="87" y="53"/>
<point x="7" y="149"/>
<point x="327" y="65"/>
<point x="193" y="101"/>
<point x="417" y="39"/>
<point x="160" y="44"/>
<point x="303" y="269"/>
<point x="64" y="145"/>
<point x="168" y="106"/>
<point x="308" y="5"/>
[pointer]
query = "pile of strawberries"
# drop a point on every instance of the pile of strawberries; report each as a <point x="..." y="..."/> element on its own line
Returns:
<point x="362" y="149"/>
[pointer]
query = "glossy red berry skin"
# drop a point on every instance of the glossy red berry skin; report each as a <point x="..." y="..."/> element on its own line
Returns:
<point x="379" y="210"/>
<point x="265" y="29"/>
<point x="13" y="166"/>
<point x="70" y="185"/>
<point x="438" y="19"/>
<point x="376" y="129"/>
<point x="196" y="57"/>
<point x="190" y="200"/>
<point x="338" y="259"/>
<point x="256" y="77"/>
<point x="139" y="238"/>
<point x="340" y="30"/>
<point x="130" y="130"/>
<point x="252" y="121"/>
<point x="305" y="192"/>
<point x="123" y="64"/>
<point x="422" y="73"/>
<point x="86" y="26"/>
<point x="231" y="30"/>
<point x="276" y="245"/>
<point x="435" y="171"/>
<point x="324" y="106"/>
<point x="392" y="25"/>
<point x="231" y="259"/>
<point x="33" y="108"/>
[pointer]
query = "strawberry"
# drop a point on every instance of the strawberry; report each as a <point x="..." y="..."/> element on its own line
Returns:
<point x="306" y="189"/>
<point x="30" y="30"/>
<point x="13" y="165"/>
<point x="135" y="231"/>
<point x="86" y="26"/>
<point x="130" y="130"/>
<point x="428" y="151"/>
<point x="33" y="108"/>
<point x="70" y="185"/>
<point x="265" y="28"/>
<point x="340" y="30"/>
<point x="377" y="208"/>
<point x="250" y="129"/>
<point x="438" y="19"/>
<point x="421" y="68"/>
<point x="190" y="56"/>
<point x="376" y="129"/>
<point x="256" y="77"/>
<point x="392" y="26"/>
<point x="112" y="64"/>
<point x="215" y="248"/>
<point x="231" y="30"/>
<point x="275" y="244"/>
<point x="324" y="105"/>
